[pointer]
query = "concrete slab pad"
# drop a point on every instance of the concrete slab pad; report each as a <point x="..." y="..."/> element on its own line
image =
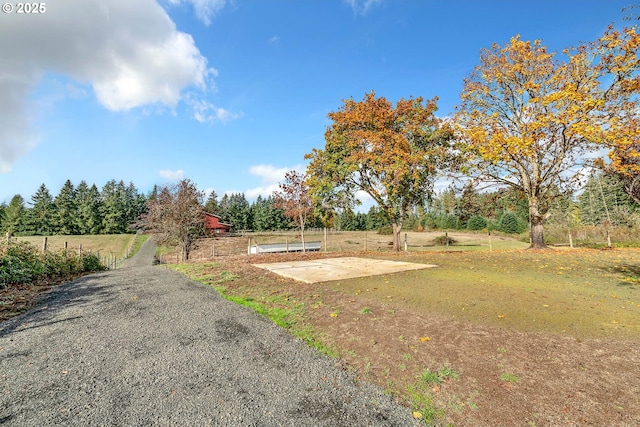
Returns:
<point x="328" y="269"/>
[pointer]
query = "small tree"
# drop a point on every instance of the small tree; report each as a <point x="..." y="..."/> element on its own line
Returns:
<point x="176" y="216"/>
<point x="293" y="198"/>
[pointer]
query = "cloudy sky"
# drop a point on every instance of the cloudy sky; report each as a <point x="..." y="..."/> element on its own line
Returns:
<point x="233" y="93"/>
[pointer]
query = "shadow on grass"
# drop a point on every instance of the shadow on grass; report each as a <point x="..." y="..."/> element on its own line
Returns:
<point x="630" y="274"/>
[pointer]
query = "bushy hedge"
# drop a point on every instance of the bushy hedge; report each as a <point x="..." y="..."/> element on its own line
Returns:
<point x="476" y="223"/>
<point x="21" y="262"/>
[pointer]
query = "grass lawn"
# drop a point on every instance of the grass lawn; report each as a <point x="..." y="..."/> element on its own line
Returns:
<point x="105" y="244"/>
<point x="581" y="293"/>
<point x="513" y="337"/>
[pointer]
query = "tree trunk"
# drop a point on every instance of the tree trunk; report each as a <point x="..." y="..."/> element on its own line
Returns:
<point x="396" y="236"/>
<point x="537" y="228"/>
<point x="186" y="250"/>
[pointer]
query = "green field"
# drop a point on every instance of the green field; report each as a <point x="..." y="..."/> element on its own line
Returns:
<point x="581" y="293"/>
<point x="114" y="245"/>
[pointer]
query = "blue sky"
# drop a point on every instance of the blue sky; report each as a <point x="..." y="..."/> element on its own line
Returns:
<point x="232" y="94"/>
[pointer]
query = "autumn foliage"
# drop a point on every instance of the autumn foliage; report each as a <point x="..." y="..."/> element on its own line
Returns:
<point x="529" y="118"/>
<point x="293" y="198"/>
<point x="390" y="152"/>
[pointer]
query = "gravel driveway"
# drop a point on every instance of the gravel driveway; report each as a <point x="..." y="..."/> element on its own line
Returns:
<point x="145" y="346"/>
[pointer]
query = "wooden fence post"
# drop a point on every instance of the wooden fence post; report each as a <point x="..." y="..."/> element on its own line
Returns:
<point x="325" y="239"/>
<point x="44" y="244"/>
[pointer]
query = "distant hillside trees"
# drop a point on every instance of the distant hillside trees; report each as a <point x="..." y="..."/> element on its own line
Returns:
<point x="266" y="216"/>
<point x="235" y="210"/>
<point x="604" y="200"/>
<point x="81" y="210"/>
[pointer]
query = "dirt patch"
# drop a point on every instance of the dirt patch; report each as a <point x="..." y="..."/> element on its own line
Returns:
<point x="327" y="269"/>
<point x="16" y="299"/>
<point x="506" y="376"/>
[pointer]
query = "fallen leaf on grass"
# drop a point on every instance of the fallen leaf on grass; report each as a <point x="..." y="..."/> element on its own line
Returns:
<point x="423" y="339"/>
<point x="417" y="415"/>
<point x="501" y="316"/>
<point x="334" y="315"/>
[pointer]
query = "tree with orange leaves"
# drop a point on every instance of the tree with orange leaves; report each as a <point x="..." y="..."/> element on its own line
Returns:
<point x="529" y="120"/>
<point x="618" y="51"/>
<point x="391" y="153"/>
<point x="293" y="198"/>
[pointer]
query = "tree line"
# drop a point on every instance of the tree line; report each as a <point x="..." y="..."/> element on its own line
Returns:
<point x="74" y="210"/>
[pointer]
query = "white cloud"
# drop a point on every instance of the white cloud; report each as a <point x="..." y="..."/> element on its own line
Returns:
<point x="266" y="191"/>
<point x="270" y="177"/>
<point x="129" y="52"/>
<point x="361" y="7"/>
<point x="15" y="137"/>
<point x="274" y="40"/>
<point x="204" y="111"/>
<point x="205" y="9"/>
<point x="172" y="175"/>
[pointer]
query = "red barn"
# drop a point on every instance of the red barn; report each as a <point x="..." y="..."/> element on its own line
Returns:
<point x="214" y="226"/>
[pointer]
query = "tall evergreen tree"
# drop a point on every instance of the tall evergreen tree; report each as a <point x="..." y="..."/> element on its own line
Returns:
<point x="14" y="213"/>
<point x="88" y="219"/>
<point x="375" y="219"/>
<point x="266" y="216"/>
<point x="40" y="217"/>
<point x="212" y="205"/>
<point x="113" y="209"/>
<point x="260" y="215"/>
<point x="134" y="205"/>
<point x="65" y="210"/>
<point x="223" y="209"/>
<point x="238" y="212"/>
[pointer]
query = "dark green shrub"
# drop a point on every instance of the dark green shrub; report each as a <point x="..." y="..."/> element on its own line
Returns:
<point x="509" y="223"/>
<point x="19" y="263"/>
<point x="22" y="263"/>
<point x="476" y="223"/>
<point x="91" y="262"/>
<point x="449" y="222"/>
